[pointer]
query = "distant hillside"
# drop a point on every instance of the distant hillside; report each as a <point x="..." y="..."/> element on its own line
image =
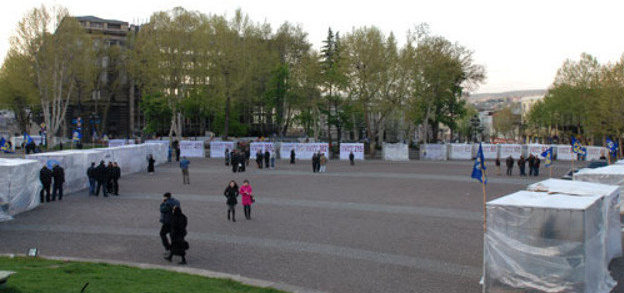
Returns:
<point x="510" y="94"/>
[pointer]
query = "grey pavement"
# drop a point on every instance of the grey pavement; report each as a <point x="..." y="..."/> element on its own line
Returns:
<point x="376" y="227"/>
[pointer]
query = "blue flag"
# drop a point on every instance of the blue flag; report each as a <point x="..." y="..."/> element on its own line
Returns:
<point x="612" y="146"/>
<point x="4" y="146"/>
<point x="478" y="170"/>
<point x="27" y="138"/>
<point x="577" y="147"/>
<point x="547" y="154"/>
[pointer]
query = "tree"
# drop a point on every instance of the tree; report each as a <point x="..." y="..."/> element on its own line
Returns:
<point x="506" y="122"/>
<point x="439" y="72"/>
<point x="60" y="55"/>
<point x="333" y="80"/>
<point x="17" y="88"/>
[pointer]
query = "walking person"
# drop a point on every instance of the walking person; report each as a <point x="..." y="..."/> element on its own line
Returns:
<point x="176" y="148"/>
<point x="116" y="174"/>
<point x="531" y="164"/>
<point x="314" y="162"/>
<point x="318" y="162"/>
<point x="292" y="156"/>
<point x="59" y="178"/>
<point x="150" y="164"/>
<point x="352" y="158"/>
<point x="273" y="161"/>
<point x="178" y="232"/>
<point x="91" y="176"/>
<point x="522" y="165"/>
<point x="510" y="164"/>
<point x="234" y="161"/>
<point x="231" y="193"/>
<point x="267" y="159"/>
<point x="498" y="168"/>
<point x="45" y="176"/>
<point x="259" y="159"/>
<point x="323" y="163"/>
<point x="166" y="212"/>
<point x="100" y="176"/>
<point x="184" y="165"/>
<point x="536" y="166"/>
<point x="169" y="154"/>
<point x="109" y="177"/>
<point x="227" y="157"/>
<point x="247" y="198"/>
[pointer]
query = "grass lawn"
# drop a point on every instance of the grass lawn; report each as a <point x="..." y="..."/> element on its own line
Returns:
<point x="41" y="275"/>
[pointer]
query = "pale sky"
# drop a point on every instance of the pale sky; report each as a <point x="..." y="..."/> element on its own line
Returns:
<point x="520" y="43"/>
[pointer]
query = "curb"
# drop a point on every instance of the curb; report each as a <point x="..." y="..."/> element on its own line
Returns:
<point x="186" y="270"/>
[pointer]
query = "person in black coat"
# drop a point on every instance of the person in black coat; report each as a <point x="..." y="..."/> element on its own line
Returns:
<point x="509" y="162"/>
<point x="45" y="176"/>
<point x="536" y="166"/>
<point x="522" y="165"/>
<point x="314" y="162"/>
<point x="292" y="156"/>
<point x="246" y="155"/>
<point x="176" y="147"/>
<point x="91" y="176"/>
<point x="115" y="178"/>
<point x="241" y="161"/>
<point x="100" y="176"/>
<point x="259" y="159"/>
<point x="150" y="164"/>
<point x="234" y="161"/>
<point x="227" y="157"/>
<point x="352" y="158"/>
<point x="178" y="232"/>
<point x="231" y="193"/>
<point x="267" y="157"/>
<point x="59" y="178"/>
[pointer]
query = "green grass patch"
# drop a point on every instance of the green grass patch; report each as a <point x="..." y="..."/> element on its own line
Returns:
<point x="41" y="275"/>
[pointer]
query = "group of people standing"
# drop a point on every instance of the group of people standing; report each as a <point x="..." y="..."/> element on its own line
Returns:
<point x="105" y="177"/>
<point x="533" y="161"/>
<point x="231" y="193"/>
<point x="46" y="177"/>
<point x="268" y="158"/>
<point x="319" y="162"/>
<point x="238" y="159"/>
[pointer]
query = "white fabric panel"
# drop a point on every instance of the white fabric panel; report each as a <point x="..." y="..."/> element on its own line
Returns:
<point x="460" y="151"/>
<point x="612" y="174"/>
<point x="192" y="149"/>
<point x="611" y="195"/>
<point x="595" y="152"/>
<point x="19" y="187"/>
<point x="537" y="149"/>
<point x="303" y="151"/>
<point x="347" y="148"/>
<point x="254" y="147"/>
<point x="564" y="152"/>
<point x="490" y="151"/>
<point x="505" y="150"/>
<point x="217" y="148"/>
<point x="159" y="151"/>
<point x="531" y="235"/>
<point x="116" y="143"/>
<point x="434" y="152"/>
<point x="395" y="152"/>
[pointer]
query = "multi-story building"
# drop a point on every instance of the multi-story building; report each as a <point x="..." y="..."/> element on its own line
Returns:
<point x="112" y="107"/>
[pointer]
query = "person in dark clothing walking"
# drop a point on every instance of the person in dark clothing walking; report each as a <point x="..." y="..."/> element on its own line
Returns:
<point x="45" y="176"/>
<point x="497" y="163"/>
<point x="292" y="156"/>
<point x="259" y="159"/>
<point x="531" y="161"/>
<point x="235" y="161"/>
<point x="315" y="162"/>
<point x="100" y="176"/>
<point x="352" y="158"/>
<point x="91" y="176"/>
<point x="227" y="157"/>
<point x="267" y="159"/>
<point x="509" y="162"/>
<point x="109" y="177"/>
<point x="178" y="232"/>
<point x="115" y="178"/>
<point x="231" y="193"/>
<point x="59" y="178"/>
<point x="150" y="164"/>
<point x="176" y="148"/>
<point x="241" y="161"/>
<point x="522" y="165"/>
<point x="166" y="212"/>
<point x="536" y="166"/>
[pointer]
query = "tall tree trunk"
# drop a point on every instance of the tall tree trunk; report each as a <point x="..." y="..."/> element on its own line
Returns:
<point x="329" y="136"/>
<point x="226" y="123"/>
<point x="131" y="108"/>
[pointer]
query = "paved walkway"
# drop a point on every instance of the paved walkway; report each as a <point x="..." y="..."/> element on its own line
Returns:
<point x="375" y="227"/>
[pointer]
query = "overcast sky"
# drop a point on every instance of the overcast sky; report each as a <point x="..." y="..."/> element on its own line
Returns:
<point x="520" y="43"/>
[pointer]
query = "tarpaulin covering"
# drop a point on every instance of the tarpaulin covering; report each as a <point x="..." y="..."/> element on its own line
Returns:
<point x="19" y="187"/>
<point x="513" y="150"/>
<point x="347" y="148"/>
<point x="433" y="151"/>
<point x="192" y="148"/>
<point x="460" y="151"/>
<point x="217" y="148"/>
<point x="303" y="151"/>
<point x="539" y="242"/>
<point x="612" y="174"/>
<point x="262" y="147"/>
<point x="395" y="152"/>
<point x="611" y="195"/>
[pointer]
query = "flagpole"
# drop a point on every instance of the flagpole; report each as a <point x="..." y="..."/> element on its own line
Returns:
<point x="484" y="209"/>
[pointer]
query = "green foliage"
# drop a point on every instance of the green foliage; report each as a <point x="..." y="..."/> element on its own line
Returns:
<point x="40" y="275"/>
<point x="157" y="113"/>
<point x="17" y="88"/>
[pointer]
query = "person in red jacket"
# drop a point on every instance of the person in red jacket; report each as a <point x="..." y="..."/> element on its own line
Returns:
<point x="247" y="198"/>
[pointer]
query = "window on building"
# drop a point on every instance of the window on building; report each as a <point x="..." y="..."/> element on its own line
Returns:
<point x="96" y="25"/>
<point x="115" y="26"/>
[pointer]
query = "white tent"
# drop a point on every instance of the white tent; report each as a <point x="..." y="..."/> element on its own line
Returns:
<point x="611" y="195"/>
<point x="539" y="242"/>
<point x="19" y="187"/>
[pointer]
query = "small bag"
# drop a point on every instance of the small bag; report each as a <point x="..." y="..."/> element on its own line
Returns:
<point x="252" y="199"/>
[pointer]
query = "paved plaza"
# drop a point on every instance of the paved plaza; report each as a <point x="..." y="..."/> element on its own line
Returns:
<point x="375" y="227"/>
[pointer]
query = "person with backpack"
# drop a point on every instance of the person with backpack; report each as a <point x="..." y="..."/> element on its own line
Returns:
<point x="166" y="212"/>
<point x="231" y="193"/>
